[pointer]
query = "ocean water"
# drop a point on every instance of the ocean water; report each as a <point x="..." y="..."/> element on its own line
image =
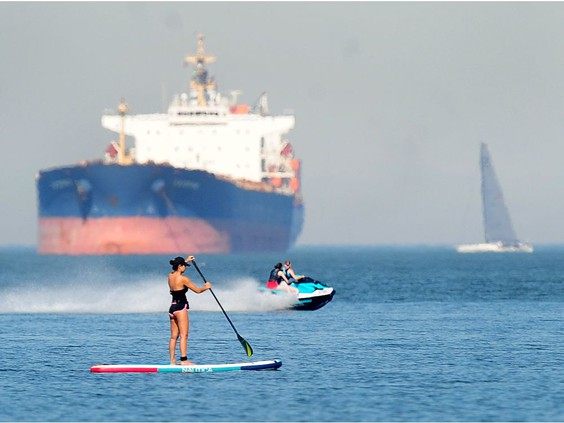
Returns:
<point x="413" y="334"/>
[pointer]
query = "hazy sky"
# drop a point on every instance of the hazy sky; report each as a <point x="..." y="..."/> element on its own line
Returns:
<point x="391" y="102"/>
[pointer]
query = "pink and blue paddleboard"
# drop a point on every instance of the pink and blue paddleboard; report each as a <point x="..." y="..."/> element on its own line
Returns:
<point x="197" y="368"/>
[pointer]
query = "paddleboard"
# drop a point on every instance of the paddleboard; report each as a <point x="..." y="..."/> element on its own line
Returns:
<point x="197" y="368"/>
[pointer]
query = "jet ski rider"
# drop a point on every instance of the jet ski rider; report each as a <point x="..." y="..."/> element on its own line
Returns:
<point x="289" y="272"/>
<point x="278" y="280"/>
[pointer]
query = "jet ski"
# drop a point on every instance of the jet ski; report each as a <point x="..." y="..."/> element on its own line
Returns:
<point x="312" y="294"/>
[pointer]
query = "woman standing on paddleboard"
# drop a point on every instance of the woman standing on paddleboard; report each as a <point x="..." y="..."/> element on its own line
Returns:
<point x="178" y="311"/>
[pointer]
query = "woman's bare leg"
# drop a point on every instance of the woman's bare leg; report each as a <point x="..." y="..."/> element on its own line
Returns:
<point x="183" y="327"/>
<point x="174" y="332"/>
<point x="283" y="286"/>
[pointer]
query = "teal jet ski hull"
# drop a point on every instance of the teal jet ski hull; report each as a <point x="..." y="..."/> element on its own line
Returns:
<point x="312" y="294"/>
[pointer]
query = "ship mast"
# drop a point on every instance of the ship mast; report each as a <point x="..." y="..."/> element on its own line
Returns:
<point x="200" y="81"/>
<point x="124" y="159"/>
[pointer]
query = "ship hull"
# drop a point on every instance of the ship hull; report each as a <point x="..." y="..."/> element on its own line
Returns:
<point x="158" y="209"/>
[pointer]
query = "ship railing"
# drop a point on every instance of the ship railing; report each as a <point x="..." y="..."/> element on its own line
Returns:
<point x="278" y="174"/>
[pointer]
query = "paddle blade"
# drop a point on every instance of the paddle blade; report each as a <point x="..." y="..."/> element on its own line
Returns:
<point x="245" y="345"/>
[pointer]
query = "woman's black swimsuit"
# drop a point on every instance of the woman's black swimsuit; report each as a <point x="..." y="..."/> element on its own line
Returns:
<point x="179" y="301"/>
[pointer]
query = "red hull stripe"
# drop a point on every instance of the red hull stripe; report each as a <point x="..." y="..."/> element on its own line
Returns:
<point x="129" y="235"/>
<point x="145" y="235"/>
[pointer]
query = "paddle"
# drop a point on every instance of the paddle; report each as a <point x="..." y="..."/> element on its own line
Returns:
<point x="244" y="343"/>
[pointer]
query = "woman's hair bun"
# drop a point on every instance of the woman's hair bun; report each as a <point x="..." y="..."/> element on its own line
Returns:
<point x="171" y="262"/>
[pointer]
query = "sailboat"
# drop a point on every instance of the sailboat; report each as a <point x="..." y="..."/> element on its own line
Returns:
<point x="499" y="234"/>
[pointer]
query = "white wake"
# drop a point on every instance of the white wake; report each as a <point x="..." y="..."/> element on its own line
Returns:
<point x="146" y="296"/>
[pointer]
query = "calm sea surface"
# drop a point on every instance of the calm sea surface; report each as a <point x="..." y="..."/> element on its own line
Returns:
<point x="413" y="334"/>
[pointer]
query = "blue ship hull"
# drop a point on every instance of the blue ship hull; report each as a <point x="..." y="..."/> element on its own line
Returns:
<point x="154" y="209"/>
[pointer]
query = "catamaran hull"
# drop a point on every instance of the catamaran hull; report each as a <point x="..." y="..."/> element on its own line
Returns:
<point x="494" y="247"/>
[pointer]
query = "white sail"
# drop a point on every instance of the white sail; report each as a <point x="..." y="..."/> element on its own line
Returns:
<point x="498" y="229"/>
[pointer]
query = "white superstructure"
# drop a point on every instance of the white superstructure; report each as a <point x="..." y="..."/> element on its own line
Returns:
<point x="206" y="131"/>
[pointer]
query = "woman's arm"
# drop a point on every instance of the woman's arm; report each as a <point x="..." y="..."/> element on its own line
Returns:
<point x="281" y="273"/>
<point x="293" y="274"/>
<point x="191" y="286"/>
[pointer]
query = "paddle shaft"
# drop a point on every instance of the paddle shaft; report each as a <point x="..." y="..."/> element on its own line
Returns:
<point x="243" y="342"/>
<point x="211" y="290"/>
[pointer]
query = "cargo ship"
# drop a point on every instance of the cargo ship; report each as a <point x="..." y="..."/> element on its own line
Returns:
<point x="212" y="175"/>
